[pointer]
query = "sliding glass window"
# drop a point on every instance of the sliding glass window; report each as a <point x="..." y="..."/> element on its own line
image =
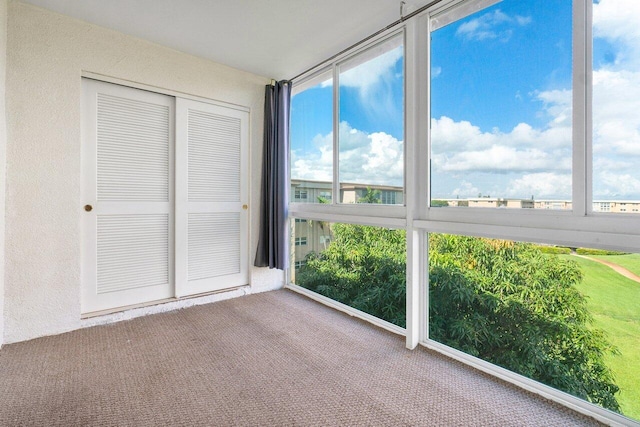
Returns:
<point x="501" y="105"/>
<point x="566" y="317"/>
<point x="361" y="266"/>
<point x="526" y="108"/>
<point x="616" y="107"/>
<point x="311" y="139"/>
<point x="371" y="125"/>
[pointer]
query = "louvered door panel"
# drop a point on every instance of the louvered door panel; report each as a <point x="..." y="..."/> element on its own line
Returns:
<point x="133" y="150"/>
<point x="211" y="190"/>
<point x="214" y="245"/>
<point x="214" y="157"/>
<point x="133" y="252"/>
<point x="128" y="234"/>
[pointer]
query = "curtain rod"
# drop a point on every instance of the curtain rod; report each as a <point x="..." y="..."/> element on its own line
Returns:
<point x="399" y="21"/>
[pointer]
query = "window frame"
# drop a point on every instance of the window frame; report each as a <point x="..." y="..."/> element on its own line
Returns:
<point x="335" y="207"/>
<point x="581" y="226"/>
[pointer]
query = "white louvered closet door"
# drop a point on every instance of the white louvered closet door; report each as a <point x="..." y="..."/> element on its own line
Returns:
<point x="211" y="197"/>
<point x="127" y="158"/>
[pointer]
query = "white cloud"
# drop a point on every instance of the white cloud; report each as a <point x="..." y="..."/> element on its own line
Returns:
<point x="540" y="185"/>
<point x="617" y="22"/>
<point x="461" y="146"/>
<point x="557" y="104"/>
<point x="314" y="164"/>
<point x="526" y="160"/>
<point x="616" y="101"/>
<point x="500" y="159"/>
<point x="495" y="25"/>
<point x="523" y="20"/>
<point x="376" y="158"/>
<point x="518" y="163"/>
<point x="371" y="73"/>
<point x="435" y="72"/>
<point x="616" y="185"/>
<point x="465" y="190"/>
<point x="616" y="113"/>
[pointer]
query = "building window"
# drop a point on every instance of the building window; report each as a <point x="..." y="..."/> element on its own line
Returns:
<point x="326" y="195"/>
<point x="388" y="197"/>
<point x="301" y="220"/>
<point x="300" y="195"/>
<point x="325" y="240"/>
<point x="301" y="241"/>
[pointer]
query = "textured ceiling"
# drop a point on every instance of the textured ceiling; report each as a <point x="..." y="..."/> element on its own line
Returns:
<point x="272" y="38"/>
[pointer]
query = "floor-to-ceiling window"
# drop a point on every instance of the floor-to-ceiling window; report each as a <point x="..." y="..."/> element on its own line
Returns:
<point x="498" y="190"/>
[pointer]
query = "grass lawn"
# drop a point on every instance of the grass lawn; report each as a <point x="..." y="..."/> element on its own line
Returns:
<point x="631" y="261"/>
<point x="614" y="302"/>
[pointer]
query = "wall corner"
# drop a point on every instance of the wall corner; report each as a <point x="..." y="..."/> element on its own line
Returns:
<point x="3" y="149"/>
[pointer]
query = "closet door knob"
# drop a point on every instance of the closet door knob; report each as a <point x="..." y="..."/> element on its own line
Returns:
<point x="88" y="208"/>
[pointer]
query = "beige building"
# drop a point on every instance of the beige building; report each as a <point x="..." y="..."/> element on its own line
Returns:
<point x="491" y="202"/>
<point x="617" y="206"/>
<point x="553" y="204"/>
<point x="305" y="191"/>
<point x="314" y="236"/>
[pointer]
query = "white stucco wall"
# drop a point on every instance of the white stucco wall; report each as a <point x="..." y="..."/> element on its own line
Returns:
<point x="3" y="148"/>
<point x="47" y="53"/>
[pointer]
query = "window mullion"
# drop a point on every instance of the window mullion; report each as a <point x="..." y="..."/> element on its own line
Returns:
<point x="336" y="142"/>
<point x="581" y="176"/>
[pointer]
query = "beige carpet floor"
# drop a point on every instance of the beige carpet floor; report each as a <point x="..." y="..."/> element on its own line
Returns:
<point x="273" y="359"/>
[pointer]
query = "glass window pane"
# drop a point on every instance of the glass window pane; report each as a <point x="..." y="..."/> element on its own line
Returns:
<point x="501" y="102"/>
<point x="360" y="266"/>
<point x="311" y="139"/>
<point x="616" y="106"/>
<point x="567" y="318"/>
<point x="372" y="125"/>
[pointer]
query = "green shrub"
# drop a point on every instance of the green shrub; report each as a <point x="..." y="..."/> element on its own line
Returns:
<point x="587" y="251"/>
<point x="553" y="249"/>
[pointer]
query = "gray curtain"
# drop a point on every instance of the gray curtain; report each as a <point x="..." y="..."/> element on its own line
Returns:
<point x="272" y="241"/>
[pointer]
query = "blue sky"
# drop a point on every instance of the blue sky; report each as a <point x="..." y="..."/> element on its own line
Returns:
<point x="501" y="107"/>
<point x="489" y="65"/>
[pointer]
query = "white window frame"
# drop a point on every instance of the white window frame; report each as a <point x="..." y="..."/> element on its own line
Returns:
<point x="316" y="76"/>
<point x="580" y="226"/>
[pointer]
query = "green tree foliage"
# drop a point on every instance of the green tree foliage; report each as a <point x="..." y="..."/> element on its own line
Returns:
<point x="511" y="305"/>
<point x="504" y="302"/>
<point x="371" y="196"/>
<point x="363" y="267"/>
<point x="439" y="203"/>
